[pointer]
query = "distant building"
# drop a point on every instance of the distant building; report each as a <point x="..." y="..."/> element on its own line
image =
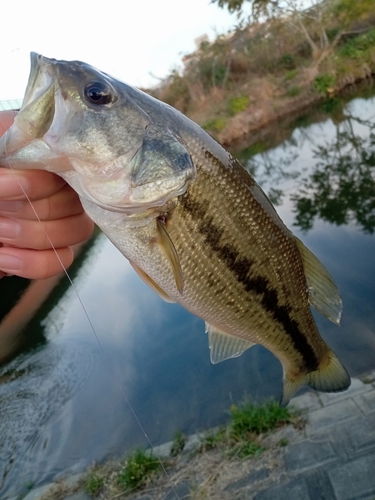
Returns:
<point x="10" y="104"/>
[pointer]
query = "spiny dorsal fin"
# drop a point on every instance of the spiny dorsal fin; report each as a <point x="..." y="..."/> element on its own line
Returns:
<point x="170" y="253"/>
<point x="324" y="295"/>
<point x="151" y="283"/>
<point x="224" y="346"/>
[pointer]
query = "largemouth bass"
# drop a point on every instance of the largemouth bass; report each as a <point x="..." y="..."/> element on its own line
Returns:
<point x="193" y="223"/>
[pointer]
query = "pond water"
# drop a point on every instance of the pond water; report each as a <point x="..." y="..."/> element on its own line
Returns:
<point x="71" y="396"/>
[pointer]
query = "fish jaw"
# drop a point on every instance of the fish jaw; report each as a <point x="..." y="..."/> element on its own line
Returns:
<point x="140" y="166"/>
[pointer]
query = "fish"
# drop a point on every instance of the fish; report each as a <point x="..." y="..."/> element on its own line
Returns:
<point x="193" y="223"/>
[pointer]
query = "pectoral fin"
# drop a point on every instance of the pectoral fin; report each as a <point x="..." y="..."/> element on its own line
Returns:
<point x="170" y="253"/>
<point x="151" y="283"/>
<point x="224" y="346"/>
<point x="323" y="292"/>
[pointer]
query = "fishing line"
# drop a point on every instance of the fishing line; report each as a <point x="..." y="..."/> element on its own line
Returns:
<point x="92" y="328"/>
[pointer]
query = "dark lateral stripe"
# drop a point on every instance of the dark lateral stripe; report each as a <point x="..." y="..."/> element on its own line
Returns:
<point x="240" y="267"/>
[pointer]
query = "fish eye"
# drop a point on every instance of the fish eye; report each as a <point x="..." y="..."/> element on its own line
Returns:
<point x="98" y="93"/>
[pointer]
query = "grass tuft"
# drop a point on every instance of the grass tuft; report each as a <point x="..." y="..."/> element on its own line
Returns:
<point x="178" y="443"/>
<point x="139" y="466"/>
<point x="93" y="483"/>
<point x="250" y="418"/>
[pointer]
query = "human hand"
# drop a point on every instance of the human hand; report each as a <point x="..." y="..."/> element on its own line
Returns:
<point x="25" y="242"/>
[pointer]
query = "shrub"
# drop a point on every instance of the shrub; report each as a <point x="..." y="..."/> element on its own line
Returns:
<point x="139" y="466"/>
<point x="238" y="104"/>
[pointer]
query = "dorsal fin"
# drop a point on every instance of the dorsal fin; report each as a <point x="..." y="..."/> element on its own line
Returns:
<point x="324" y="295"/>
<point x="151" y="283"/>
<point x="224" y="346"/>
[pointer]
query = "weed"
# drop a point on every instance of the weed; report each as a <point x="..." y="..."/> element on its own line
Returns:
<point x="215" y="125"/>
<point x="293" y="91"/>
<point x="357" y="47"/>
<point x="249" y="418"/>
<point x="245" y="449"/>
<point x="292" y="73"/>
<point x="139" y="466"/>
<point x="214" y="439"/>
<point x="238" y="104"/>
<point x="178" y="443"/>
<point x="93" y="483"/>
<point x="287" y="61"/>
<point x="324" y="82"/>
<point x="283" y="442"/>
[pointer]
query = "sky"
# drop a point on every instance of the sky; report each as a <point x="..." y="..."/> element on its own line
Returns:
<point x="129" y="39"/>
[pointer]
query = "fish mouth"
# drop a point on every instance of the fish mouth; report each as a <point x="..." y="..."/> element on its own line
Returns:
<point x="22" y="145"/>
<point x="54" y="128"/>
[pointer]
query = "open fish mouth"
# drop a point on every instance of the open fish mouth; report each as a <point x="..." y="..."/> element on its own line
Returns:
<point x="65" y="125"/>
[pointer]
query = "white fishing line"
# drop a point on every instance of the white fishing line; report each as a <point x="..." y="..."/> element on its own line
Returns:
<point x="93" y="330"/>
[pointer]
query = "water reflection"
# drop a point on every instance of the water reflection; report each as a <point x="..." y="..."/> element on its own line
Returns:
<point x="64" y="402"/>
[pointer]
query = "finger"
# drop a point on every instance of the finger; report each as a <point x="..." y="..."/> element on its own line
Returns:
<point x="34" y="264"/>
<point x="62" y="204"/>
<point x="37" y="184"/>
<point x="6" y="120"/>
<point x="40" y="235"/>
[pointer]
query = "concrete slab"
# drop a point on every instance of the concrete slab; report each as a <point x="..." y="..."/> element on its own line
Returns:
<point x="307" y="454"/>
<point x="296" y="489"/>
<point x="366" y="402"/>
<point x="356" y="387"/>
<point x="355" y="479"/>
<point x="332" y="415"/>
<point x="306" y="402"/>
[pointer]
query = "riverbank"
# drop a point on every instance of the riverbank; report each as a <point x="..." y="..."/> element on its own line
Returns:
<point x="328" y="452"/>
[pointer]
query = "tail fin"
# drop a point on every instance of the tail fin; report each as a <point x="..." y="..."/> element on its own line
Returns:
<point x="331" y="376"/>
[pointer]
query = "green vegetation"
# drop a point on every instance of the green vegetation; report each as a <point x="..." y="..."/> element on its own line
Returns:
<point x="324" y="83"/>
<point x="93" y="483"/>
<point x="139" y="467"/>
<point x="241" y="438"/>
<point x="238" y="104"/>
<point x="215" y="125"/>
<point x="178" y="443"/>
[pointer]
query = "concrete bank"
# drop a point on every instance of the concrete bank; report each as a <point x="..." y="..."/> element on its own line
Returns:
<point x="332" y="457"/>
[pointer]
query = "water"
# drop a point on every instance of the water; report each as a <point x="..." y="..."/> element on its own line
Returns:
<point x="63" y="397"/>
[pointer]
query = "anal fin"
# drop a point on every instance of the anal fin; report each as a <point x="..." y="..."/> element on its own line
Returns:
<point x="224" y="346"/>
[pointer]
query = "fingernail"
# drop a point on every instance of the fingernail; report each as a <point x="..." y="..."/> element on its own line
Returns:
<point x="9" y="228"/>
<point x="11" y="206"/>
<point x="10" y="263"/>
<point x="12" y="185"/>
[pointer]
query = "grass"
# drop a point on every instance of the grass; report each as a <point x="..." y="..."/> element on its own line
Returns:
<point x="238" y="104"/>
<point x="139" y="467"/>
<point x="248" y="422"/>
<point x="178" y="444"/>
<point x="215" y="125"/>
<point x="93" y="483"/>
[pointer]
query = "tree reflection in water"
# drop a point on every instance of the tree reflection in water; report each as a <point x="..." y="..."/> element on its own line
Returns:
<point x="341" y="187"/>
<point x="328" y="179"/>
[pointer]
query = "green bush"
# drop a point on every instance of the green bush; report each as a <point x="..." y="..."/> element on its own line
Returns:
<point x="238" y="104"/>
<point x="215" y="125"/>
<point x="250" y="418"/>
<point x="293" y="91"/>
<point x="324" y="82"/>
<point x="93" y="483"/>
<point x="139" y="466"/>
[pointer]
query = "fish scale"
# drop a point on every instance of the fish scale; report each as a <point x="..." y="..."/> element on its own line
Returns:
<point x="192" y="222"/>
